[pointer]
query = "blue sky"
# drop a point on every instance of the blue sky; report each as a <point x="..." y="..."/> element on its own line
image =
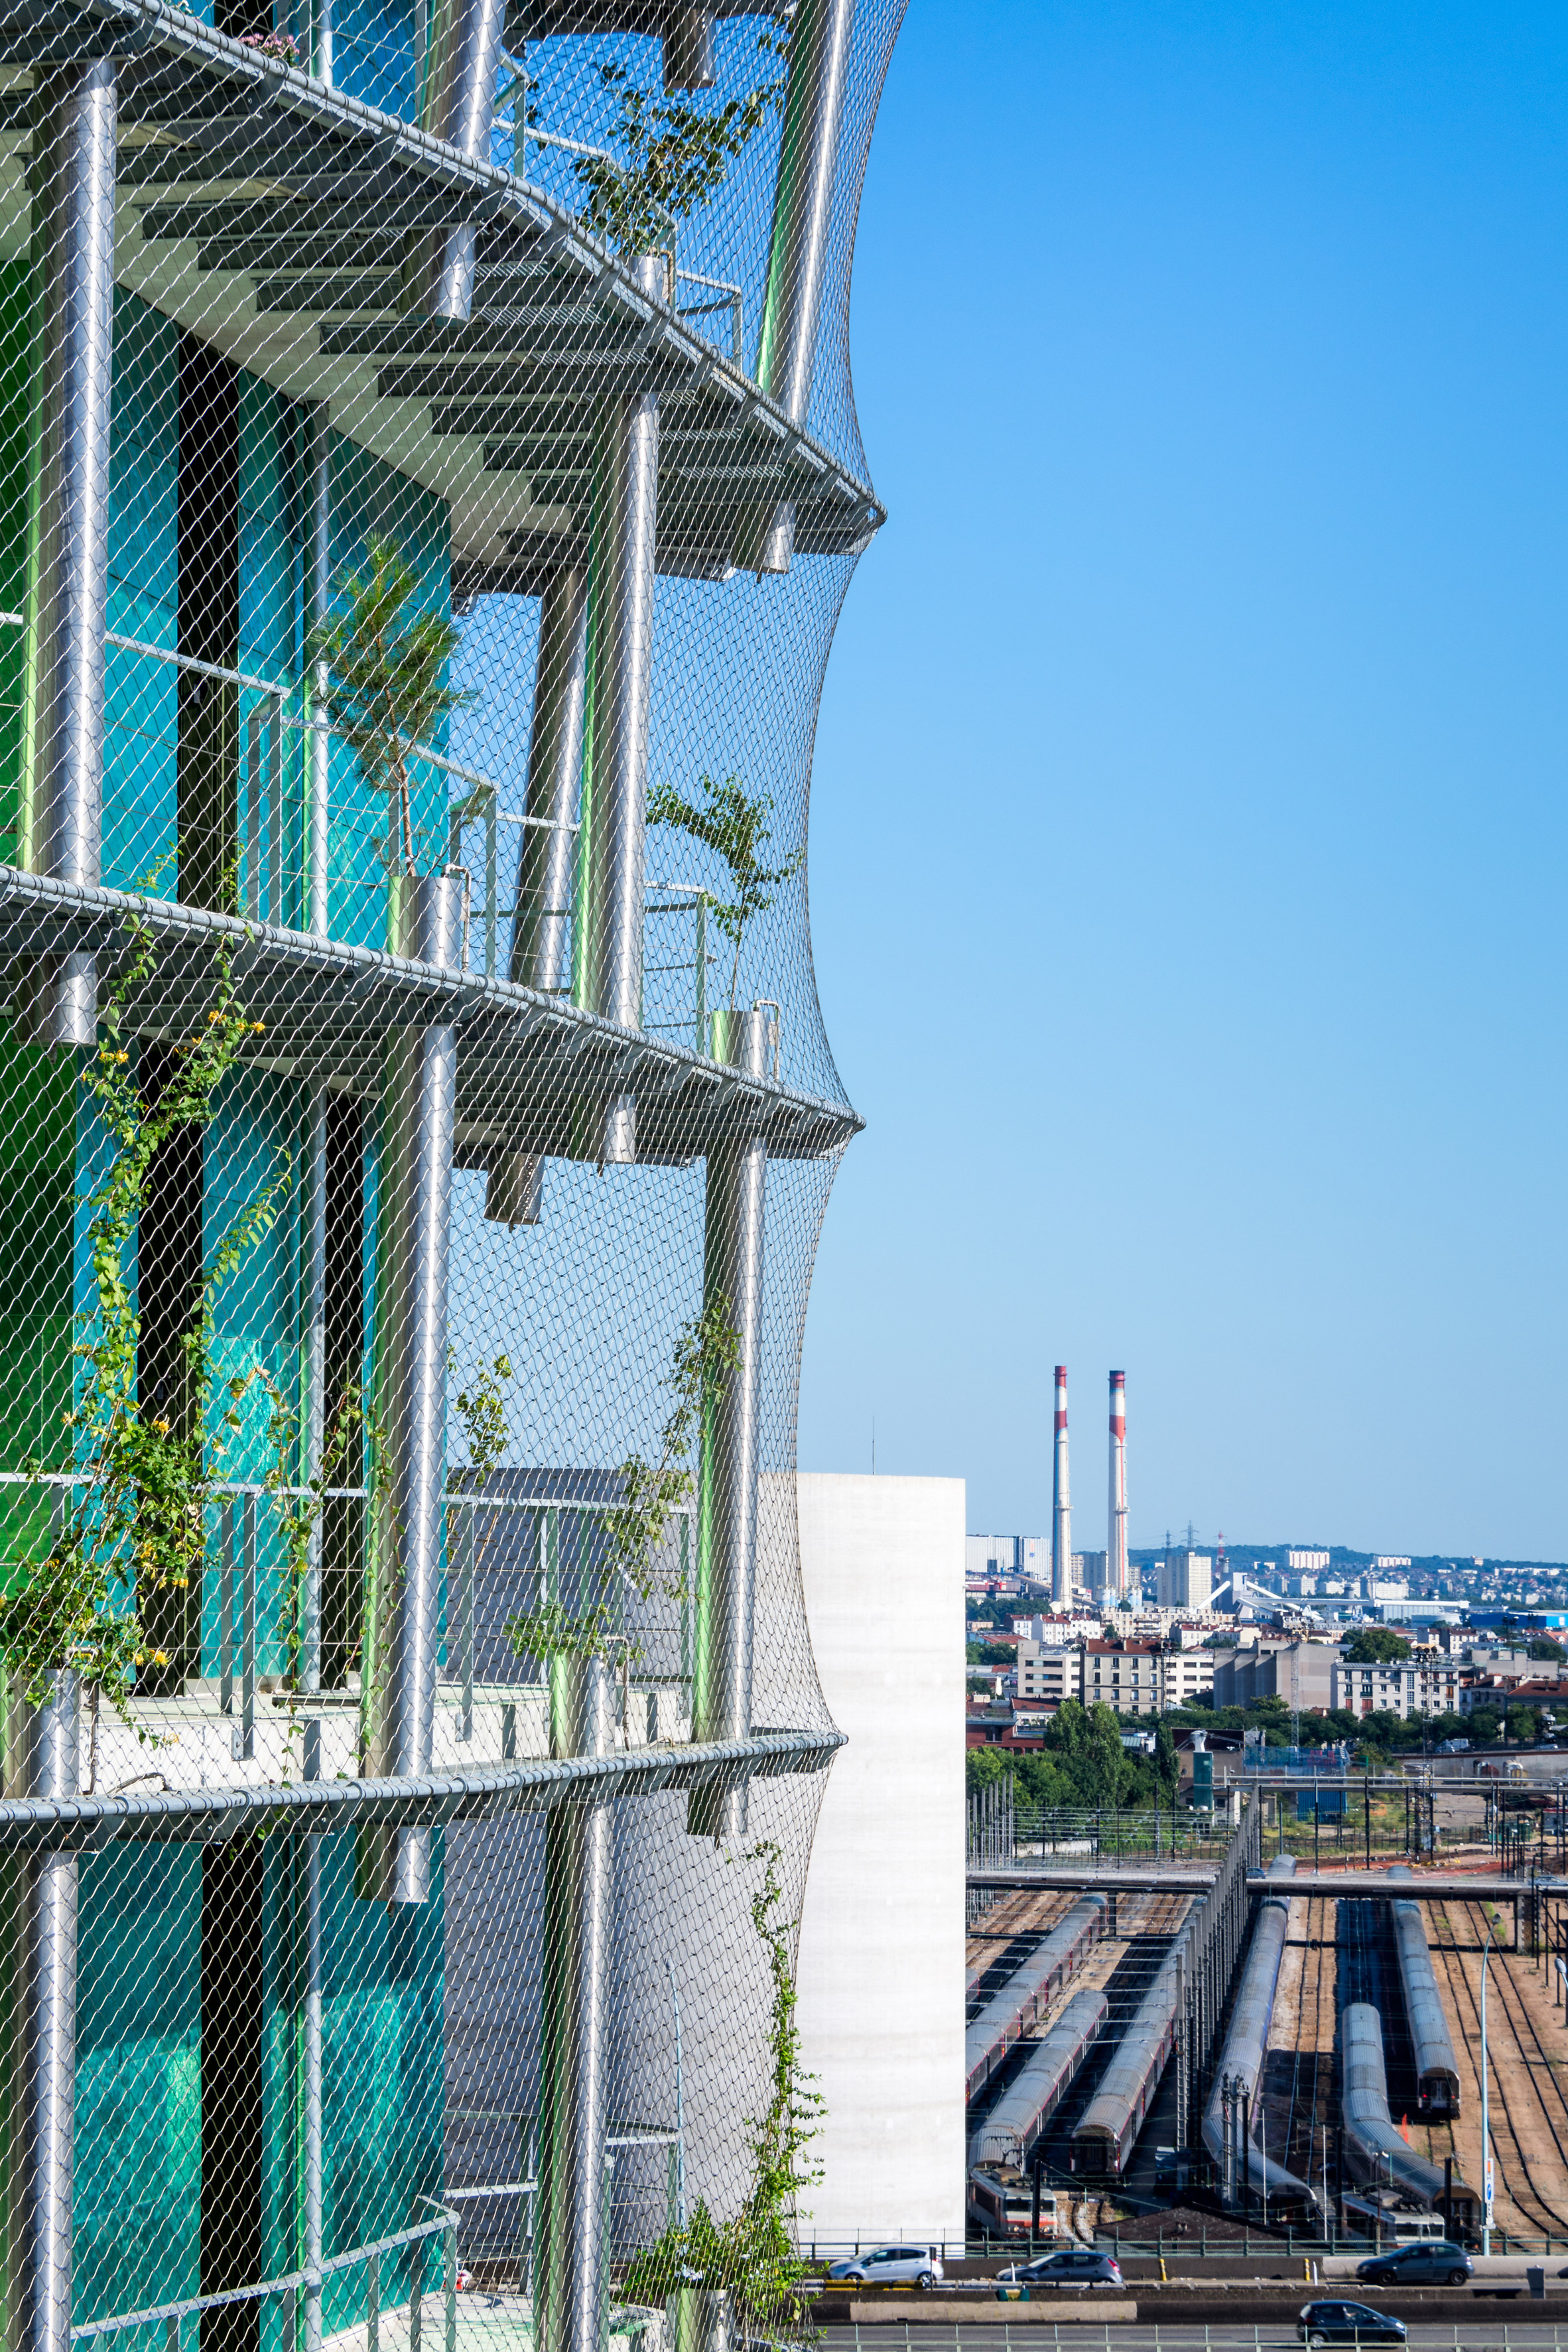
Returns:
<point x="1201" y="712"/>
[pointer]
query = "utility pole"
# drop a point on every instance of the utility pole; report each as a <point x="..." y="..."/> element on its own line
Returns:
<point x="1486" y="2112"/>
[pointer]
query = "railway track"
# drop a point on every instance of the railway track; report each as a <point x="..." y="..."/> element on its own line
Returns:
<point x="1306" y="2100"/>
<point x="1518" y="2157"/>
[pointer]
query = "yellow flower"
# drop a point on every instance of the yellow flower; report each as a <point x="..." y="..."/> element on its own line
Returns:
<point x="257" y="1026"/>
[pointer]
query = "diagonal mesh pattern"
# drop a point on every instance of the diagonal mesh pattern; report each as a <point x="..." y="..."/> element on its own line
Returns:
<point x="428" y="483"/>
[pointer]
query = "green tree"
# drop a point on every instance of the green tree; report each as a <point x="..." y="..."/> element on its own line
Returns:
<point x="983" y="1767"/>
<point x="734" y="825"/>
<point x="387" y="665"/>
<point x="1543" y="1647"/>
<point x="1374" y="1645"/>
<point x="676" y="153"/>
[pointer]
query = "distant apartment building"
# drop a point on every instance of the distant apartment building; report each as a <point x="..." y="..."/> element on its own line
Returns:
<point x="1089" y="1571"/>
<point x="1185" y="1579"/>
<point x="1429" y="1684"/>
<point x="1295" y="1563"/>
<point x="1133" y="1676"/>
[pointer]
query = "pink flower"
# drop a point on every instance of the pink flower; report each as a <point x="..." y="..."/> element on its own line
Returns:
<point x="281" y="45"/>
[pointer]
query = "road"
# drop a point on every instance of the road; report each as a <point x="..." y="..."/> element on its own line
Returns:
<point x="1487" y="2333"/>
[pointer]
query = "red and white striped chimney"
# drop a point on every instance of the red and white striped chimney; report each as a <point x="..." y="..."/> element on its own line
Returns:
<point x="1116" y="1531"/>
<point x="1062" y="1505"/>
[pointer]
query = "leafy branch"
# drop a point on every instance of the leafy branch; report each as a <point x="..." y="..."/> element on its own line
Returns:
<point x="707" y="1351"/>
<point x="677" y="153"/>
<point x="135" y="1528"/>
<point x="386" y="669"/>
<point x="734" y="825"/>
<point x="300" y="1509"/>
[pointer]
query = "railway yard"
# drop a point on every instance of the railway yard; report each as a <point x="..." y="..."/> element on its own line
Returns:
<point x="1336" y="1954"/>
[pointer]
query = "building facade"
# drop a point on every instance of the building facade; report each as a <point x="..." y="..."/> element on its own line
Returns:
<point x="424" y="530"/>
<point x="1186" y="1579"/>
<point x="1133" y="1676"/>
<point x="881" y="1937"/>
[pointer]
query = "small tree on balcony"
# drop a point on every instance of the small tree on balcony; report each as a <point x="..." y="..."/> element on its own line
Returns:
<point x="734" y="824"/>
<point x="677" y="153"/>
<point x="387" y="670"/>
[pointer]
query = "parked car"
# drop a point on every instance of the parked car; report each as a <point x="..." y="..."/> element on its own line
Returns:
<point x="890" y="2266"/>
<point x="1076" y="2266"/>
<point x="1431" y="2262"/>
<point x="1348" y="2323"/>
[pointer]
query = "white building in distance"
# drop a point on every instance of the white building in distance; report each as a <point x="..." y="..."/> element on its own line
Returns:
<point x="1186" y="1579"/>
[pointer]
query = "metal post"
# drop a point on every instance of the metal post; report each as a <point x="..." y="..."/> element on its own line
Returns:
<point x="680" y="2144"/>
<point x="461" y="53"/>
<point x="572" y="2302"/>
<point x="607" y="939"/>
<point x="1486" y="2112"/>
<point x="314" y="2201"/>
<point x="243" y="1737"/>
<point x="315" y="1413"/>
<point x="226" y="1606"/>
<point x="42" y="2128"/>
<point x="417" y="1114"/>
<point x="802" y="211"/>
<point x="318" y="755"/>
<point x="463" y="1535"/>
<point x="75" y="132"/>
<point x="541" y="923"/>
<point x="726" y="1534"/>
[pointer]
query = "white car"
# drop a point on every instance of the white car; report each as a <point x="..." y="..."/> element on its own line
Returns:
<point x="890" y="2266"/>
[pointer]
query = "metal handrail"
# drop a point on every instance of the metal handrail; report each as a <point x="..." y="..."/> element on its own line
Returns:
<point x="288" y="2283"/>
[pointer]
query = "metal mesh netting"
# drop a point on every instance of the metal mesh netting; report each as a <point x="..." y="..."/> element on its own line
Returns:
<point x="428" y="483"/>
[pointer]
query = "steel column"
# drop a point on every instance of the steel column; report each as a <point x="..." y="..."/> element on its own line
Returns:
<point x="542" y="926"/>
<point x="43" y="2088"/>
<point x="687" y="31"/>
<point x="803" y="213"/>
<point x="318" y="757"/>
<point x="608" y="940"/>
<point x="417" y="1112"/>
<point x="574" y="2243"/>
<point x="74" y="140"/>
<point x="314" y="2201"/>
<point x="727" y="1523"/>
<point x="315" y="1418"/>
<point x="456" y="103"/>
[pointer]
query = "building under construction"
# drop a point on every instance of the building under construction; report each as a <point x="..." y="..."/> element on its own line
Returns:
<point x="428" y="483"/>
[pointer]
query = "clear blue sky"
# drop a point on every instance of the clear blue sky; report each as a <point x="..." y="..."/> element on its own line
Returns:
<point x="1200" y="714"/>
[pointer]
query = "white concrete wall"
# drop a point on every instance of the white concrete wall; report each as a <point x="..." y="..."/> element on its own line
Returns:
<point x="882" y="1941"/>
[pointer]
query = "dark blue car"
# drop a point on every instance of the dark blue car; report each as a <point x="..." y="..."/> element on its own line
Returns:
<point x="1348" y="2323"/>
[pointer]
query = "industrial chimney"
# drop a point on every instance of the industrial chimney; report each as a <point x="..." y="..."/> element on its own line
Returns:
<point x="1061" y="1504"/>
<point x="1116" y="1531"/>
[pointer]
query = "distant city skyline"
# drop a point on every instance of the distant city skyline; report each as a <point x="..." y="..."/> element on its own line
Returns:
<point x="1209" y="1040"/>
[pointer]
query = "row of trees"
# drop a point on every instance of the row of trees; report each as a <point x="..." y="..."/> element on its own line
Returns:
<point x="1081" y="1763"/>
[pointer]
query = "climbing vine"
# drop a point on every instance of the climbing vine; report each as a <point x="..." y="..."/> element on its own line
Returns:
<point x="707" y="1351"/>
<point x="754" y="2255"/>
<point x="135" y="1524"/>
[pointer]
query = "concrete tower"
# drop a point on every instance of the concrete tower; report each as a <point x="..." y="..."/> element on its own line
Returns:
<point x="1061" y="1504"/>
<point x="1116" y="1529"/>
